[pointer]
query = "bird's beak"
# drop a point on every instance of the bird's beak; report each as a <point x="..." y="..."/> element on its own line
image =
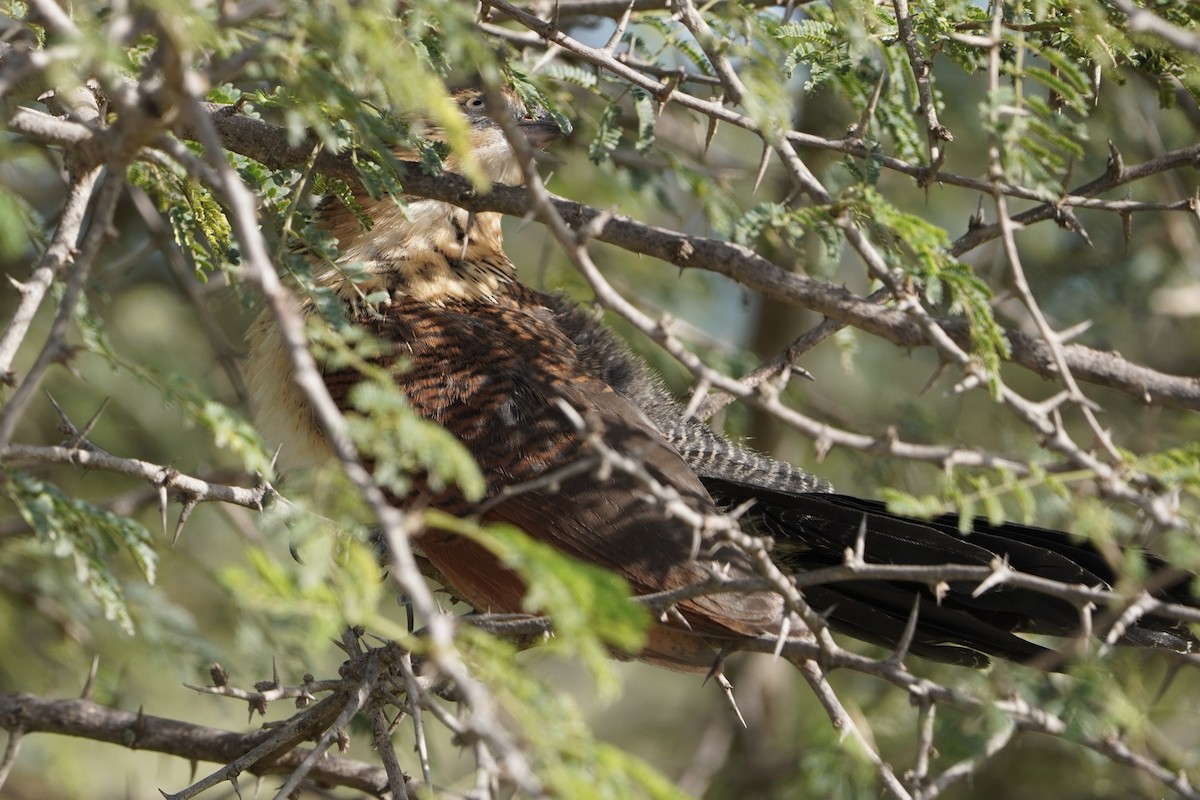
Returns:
<point x="540" y="131"/>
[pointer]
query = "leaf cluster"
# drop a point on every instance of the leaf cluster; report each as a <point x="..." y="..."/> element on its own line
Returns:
<point x="86" y="535"/>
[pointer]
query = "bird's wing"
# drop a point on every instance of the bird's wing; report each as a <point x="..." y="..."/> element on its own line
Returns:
<point x="497" y="376"/>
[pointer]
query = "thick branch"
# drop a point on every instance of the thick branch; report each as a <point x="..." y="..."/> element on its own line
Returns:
<point x="85" y="719"/>
<point x="267" y="143"/>
<point x="57" y="256"/>
<point x="569" y="9"/>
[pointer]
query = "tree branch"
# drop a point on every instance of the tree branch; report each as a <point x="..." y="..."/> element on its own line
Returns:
<point x="195" y="489"/>
<point x="268" y="144"/>
<point x="30" y="713"/>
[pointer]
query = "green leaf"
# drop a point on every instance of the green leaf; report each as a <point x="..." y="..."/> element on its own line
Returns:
<point x="589" y="606"/>
<point x="403" y="444"/>
<point x="334" y="580"/>
<point x="15" y="223"/>
<point x="534" y="98"/>
<point x="198" y="222"/>
<point x="916" y="247"/>
<point x="387" y="430"/>
<point x="1066" y="91"/>
<point x="555" y="736"/>
<point x="1176" y="466"/>
<point x="608" y="134"/>
<point x="924" y="507"/>
<point x="88" y="535"/>
<point x="812" y="43"/>
<point x="643" y="107"/>
<point x="569" y="73"/>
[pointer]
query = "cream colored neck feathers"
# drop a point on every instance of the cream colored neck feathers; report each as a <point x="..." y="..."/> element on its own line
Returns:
<point x="428" y="250"/>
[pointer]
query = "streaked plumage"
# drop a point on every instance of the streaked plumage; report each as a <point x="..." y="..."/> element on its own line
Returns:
<point x="491" y="360"/>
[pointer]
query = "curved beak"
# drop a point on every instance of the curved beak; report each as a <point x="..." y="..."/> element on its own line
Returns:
<point x="540" y="131"/>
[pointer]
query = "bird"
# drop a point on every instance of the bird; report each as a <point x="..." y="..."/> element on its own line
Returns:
<point x="512" y="371"/>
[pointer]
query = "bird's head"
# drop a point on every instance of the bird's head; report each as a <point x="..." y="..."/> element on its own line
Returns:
<point x="489" y="145"/>
<point x="427" y="249"/>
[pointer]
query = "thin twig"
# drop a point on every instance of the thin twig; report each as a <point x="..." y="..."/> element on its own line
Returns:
<point x="58" y="255"/>
<point x="56" y="348"/>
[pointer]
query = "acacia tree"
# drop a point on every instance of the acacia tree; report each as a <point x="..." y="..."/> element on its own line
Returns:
<point x="973" y="227"/>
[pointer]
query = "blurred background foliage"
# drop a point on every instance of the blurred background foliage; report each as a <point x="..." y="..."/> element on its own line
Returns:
<point x="164" y="316"/>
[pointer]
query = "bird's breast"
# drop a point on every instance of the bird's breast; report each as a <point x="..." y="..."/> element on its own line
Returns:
<point x="284" y="415"/>
<point x="490" y="373"/>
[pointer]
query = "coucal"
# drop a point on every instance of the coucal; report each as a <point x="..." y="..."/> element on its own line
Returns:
<point x="494" y="362"/>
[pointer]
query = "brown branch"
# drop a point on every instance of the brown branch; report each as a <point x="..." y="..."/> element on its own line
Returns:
<point x="1082" y="196"/>
<point x="713" y="46"/>
<point x="571" y="9"/>
<point x="922" y="68"/>
<point x="262" y="141"/>
<point x="57" y="256"/>
<point x="853" y="145"/>
<point x="1025" y="716"/>
<point x="990" y="577"/>
<point x="55" y="349"/>
<point x="847" y="725"/>
<point x="82" y="718"/>
<point x="195" y="489"/>
<point x="897" y="325"/>
<point x="268" y="144"/>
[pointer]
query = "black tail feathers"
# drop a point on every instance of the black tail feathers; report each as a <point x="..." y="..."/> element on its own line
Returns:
<point x="814" y="530"/>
